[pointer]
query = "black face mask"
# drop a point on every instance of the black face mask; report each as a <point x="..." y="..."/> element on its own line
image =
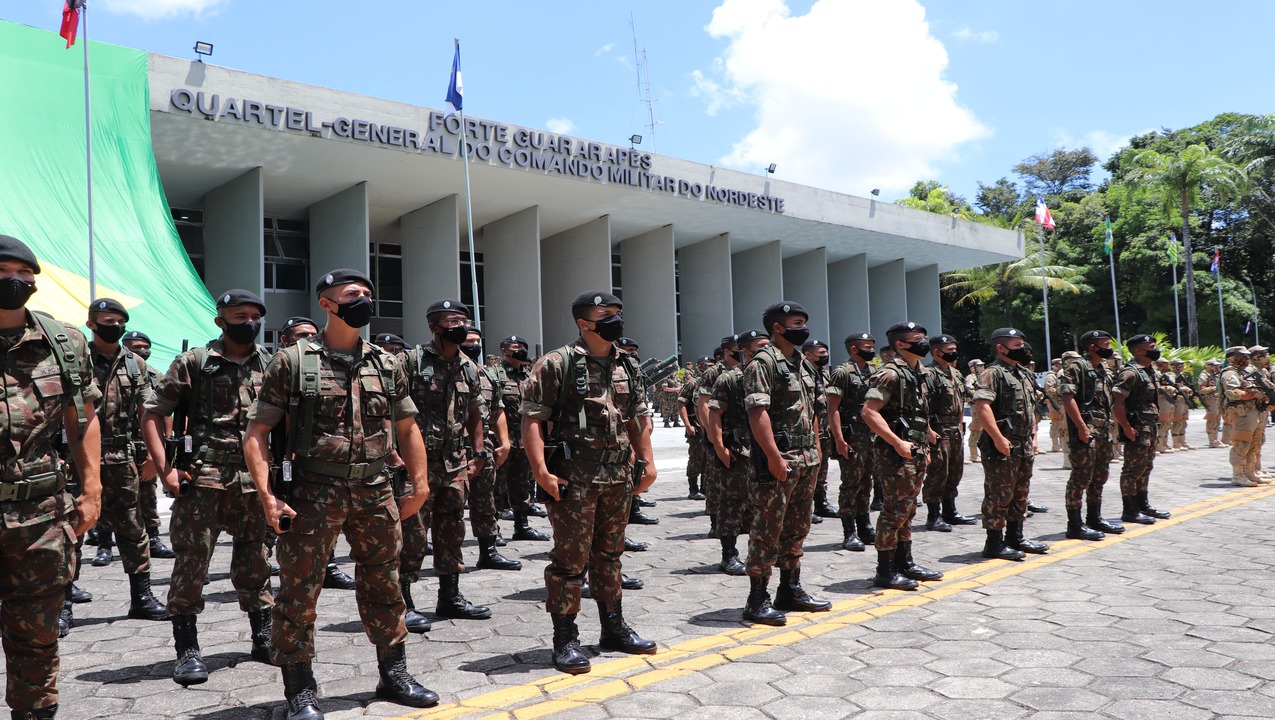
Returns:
<point x="949" y="357"/>
<point x="356" y="313"/>
<point x="797" y="336"/>
<point x="821" y="362"/>
<point x="868" y="355"/>
<point x="1153" y="355"/>
<point x="519" y="355"/>
<point x="242" y="333"/>
<point x="920" y="348"/>
<point x="1105" y="353"/>
<point x="739" y="356"/>
<point x="14" y="292"/>
<point x="110" y="334"/>
<point x="143" y="354"/>
<point x="455" y="335"/>
<point x="473" y="351"/>
<point x="609" y="328"/>
<point x="1020" y="355"/>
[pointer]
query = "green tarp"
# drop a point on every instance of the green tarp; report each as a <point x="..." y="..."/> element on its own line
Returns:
<point x="139" y="257"/>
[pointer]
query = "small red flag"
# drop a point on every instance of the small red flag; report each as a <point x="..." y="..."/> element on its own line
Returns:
<point x="71" y="20"/>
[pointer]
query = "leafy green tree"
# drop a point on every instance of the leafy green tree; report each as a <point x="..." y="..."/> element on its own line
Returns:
<point x="1004" y="282"/>
<point x="938" y="200"/>
<point x="1000" y="199"/>
<point x="1062" y="172"/>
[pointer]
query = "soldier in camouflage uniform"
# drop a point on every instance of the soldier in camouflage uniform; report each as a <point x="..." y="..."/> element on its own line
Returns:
<point x="1166" y="403"/>
<point x="1260" y="369"/>
<point x="1085" y="388"/>
<point x="214" y="387"/>
<point x="1135" y="406"/>
<point x="42" y="399"/>
<point x="816" y="351"/>
<point x="666" y="399"/>
<point x="946" y="465"/>
<point x="729" y="432"/>
<point x="1212" y="405"/>
<point x="148" y="484"/>
<point x="444" y="384"/>
<point x="713" y="471"/>
<point x="897" y="411"/>
<point x="390" y="343"/>
<point x="123" y="380"/>
<point x="335" y="481"/>
<point x="582" y="401"/>
<point x="1057" y="421"/>
<point x="976" y="425"/>
<point x="516" y="473"/>
<point x="780" y="392"/>
<point x="1181" y="404"/>
<point x="696" y="458"/>
<point x="1244" y="401"/>
<point x="482" y="485"/>
<point x="852" y="440"/>
<point x="1005" y="402"/>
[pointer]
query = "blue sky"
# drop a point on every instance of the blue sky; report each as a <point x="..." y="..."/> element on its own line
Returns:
<point x="843" y="94"/>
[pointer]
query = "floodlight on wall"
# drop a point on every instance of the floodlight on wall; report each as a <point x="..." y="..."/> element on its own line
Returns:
<point x="876" y="192"/>
<point x="202" y="49"/>
<point x="635" y="139"/>
<point x="771" y="169"/>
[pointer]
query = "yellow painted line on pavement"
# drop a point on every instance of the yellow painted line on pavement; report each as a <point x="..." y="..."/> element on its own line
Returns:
<point x="610" y="679"/>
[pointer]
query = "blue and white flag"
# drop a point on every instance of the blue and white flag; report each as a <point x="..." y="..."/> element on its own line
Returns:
<point x="456" y="90"/>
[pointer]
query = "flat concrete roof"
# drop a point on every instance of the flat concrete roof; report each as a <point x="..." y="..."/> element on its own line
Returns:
<point x="196" y="154"/>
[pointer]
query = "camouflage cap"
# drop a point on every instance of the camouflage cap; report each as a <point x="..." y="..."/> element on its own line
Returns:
<point x="1071" y="355"/>
<point x="1237" y="350"/>
<point x="1213" y="361"/>
<point x="1258" y="350"/>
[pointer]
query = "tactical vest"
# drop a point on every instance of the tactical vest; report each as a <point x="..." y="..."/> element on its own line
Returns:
<point x="73" y="373"/>
<point x="1091" y="402"/>
<point x="571" y="422"/>
<point x="909" y="405"/>
<point x="1143" y="400"/>
<point x="127" y="428"/>
<point x="736" y="432"/>
<point x="1011" y="407"/>
<point x="199" y="426"/>
<point x="853" y="393"/>
<point x="1245" y="382"/>
<point x="947" y="402"/>
<point x="783" y="395"/>
<point x="425" y="369"/>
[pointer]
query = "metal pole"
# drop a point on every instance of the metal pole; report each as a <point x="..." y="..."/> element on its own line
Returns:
<point x="1044" y="292"/>
<point x="1257" y="340"/>
<point x="88" y="154"/>
<point x="469" y="215"/>
<point x="1115" y="303"/>
<point x="1221" y="312"/>
<point x="1177" y="315"/>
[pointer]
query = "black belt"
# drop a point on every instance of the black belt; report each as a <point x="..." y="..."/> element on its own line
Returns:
<point x="38" y="486"/>
<point x="344" y="471"/>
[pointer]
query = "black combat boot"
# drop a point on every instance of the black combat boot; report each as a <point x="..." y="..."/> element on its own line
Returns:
<point x="1014" y="538"/>
<point x="1133" y="511"/>
<point x="1094" y="519"/>
<point x="47" y="713"/>
<point x="758" y="609"/>
<point x="822" y="508"/>
<point x="66" y="619"/>
<point x="416" y="622"/>
<point x="1077" y="530"/>
<point x="300" y="691"/>
<point x="1033" y="507"/>
<point x="90" y="537"/>
<point x="259" y="622"/>
<point x="500" y="538"/>
<point x="397" y="684"/>
<point x="877" y="504"/>
<point x="996" y="549"/>
<point x="867" y="533"/>
<point x="104" y="555"/>
<point x="634" y="546"/>
<point x="630" y="583"/>
<point x="694" y="494"/>
<point x="159" y="551"/>
<point x="730" y="557"/>
<point x="143" y="605"/>
<point x="334" y="577"/>
<point x="190" y="668"/>
<point x="637" y="517"/>
<point x="617" y="635"/>
<point x="524" y="531"/>
<point x="491" y="559"/>
<point x="850" y="540"/>
<point x="790" y="596"/>
<point x="79" y="595"/>
<point x="451" y="604"/>
<point x="952" y="517"/>
<point x="538" y="511"/>
<point x="934" y="519"/>
<point x="887" y="574"/>
<point x="642" y="501"/>
<point x="907" y="568"/>
<point x="567" y="655"/>
<point x="1145" y="507"/>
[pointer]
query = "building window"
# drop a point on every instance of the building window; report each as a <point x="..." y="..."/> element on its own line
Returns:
<point x="387" y="274"/>
<point x="190" y="228"/>
<point x="270" y="340"/>
<point x="287" y="256"/>
<point x="616" y="285"/>
<point x="466" y="287"/>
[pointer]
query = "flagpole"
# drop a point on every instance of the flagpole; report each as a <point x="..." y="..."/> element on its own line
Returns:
<point x="1044" y="292"/>
<point x="88" y="147"/>
<point x="1177" y="316"/>
<point x="1115" y="302"/>
<point x="1257" y="339"/>
<point x="1221" y="312"/>
<point x="469" y="210"/>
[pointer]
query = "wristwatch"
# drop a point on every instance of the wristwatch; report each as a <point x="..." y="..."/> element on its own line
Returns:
<point x="481" y="454"/>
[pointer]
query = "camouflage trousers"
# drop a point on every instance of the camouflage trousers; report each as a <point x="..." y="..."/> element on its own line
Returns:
<point x="148" y="502"/>
<point x="781" y="518"/>
<point x="1006" y="480"/>
<point x="1057" y="432"/>
<point x="368" y="516"/>
<point x="1181" y="411"/>
<point x="901" y="480"/>
<point x="714" y="478"/>
<point x="199" y="517"/>
<point x="515" y="477"/>
<point x="946" y="467"/>
<point x="36" y="564"/>
<point x="1212" y="418"/>
<point x="825" y="456"/>
<point x="121" y="515"/>
<point x="855" y="496"/>
<point x="588" y="535"/>
<point x="441" y="519"/>
<point x="1246" y="424"/>
<point x="1090" y="468"/>
<point x="734" y="505"/>
<point x="667" y="403"/>
<point x="975" y="434"/>
<point x="695" y="458"/>
<point x="708" y="480"/>
<point x="482" y="500"/>
<point x="1139" y="457"/>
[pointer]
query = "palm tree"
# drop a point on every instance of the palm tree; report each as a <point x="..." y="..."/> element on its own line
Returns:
<point x="1006" y="281"/>
<point x="1179" y="180"/>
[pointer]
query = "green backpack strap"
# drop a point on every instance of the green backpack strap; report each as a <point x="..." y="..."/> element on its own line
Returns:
<point x="302" y="399"/>
<point x="73" y="373"/>
<point x="387" y="382"/>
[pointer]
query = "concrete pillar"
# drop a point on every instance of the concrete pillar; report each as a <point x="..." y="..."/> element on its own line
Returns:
<point x="430" y="238"/>
<point x="511" y="277"/>
<point x="234" y="256"/>
<point x="757" y="279"/>
<point x="647" y="266"/>
<point x="339" y="236"/>
<point x="923" y="298"/>
<point x="806" y="281"/>
<point x="704" y="282"/>
<point x="848" y="306"/>
<point x="571" y="262"/>
<point x="888" y="303"/>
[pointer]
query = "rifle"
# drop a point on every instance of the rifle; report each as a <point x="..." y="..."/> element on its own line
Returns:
<point x="657" y="372"/>
<point x="281" y="470"/>
<point x="179" y="447"/>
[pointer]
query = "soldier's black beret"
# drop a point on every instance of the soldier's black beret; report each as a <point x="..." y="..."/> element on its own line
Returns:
<point x="389" y="339"/>
<point x="786" y="307"/>
<point x="1007" y="332"/>
<point x="136" y="335"/>
<point x="706" y="359"/>
<point x="1092" y="337"/>
<point x="859" y="336"/>
<point x="627" y="342"/>
<point x="750" y="335"/>
<point x="1139" y="340"/>
<point x="343" y="276"/>
<point x="237" y="297"/>
<point x="447" y="306"/>
<point x="811" y="344"/>
<point x="590" y="298"/>
<point x="298" y="320"/>
<point x="728" y="340"/>
<point x="514" y="339"/>
<point x="12" y="248"/>
<point x="904" y="328"/>
<point x="942" y="340"/>
<point x="111" y="306"/>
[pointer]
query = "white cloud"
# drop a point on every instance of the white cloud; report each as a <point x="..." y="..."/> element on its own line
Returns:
<point x="850" y="96"/>
<point x="986" y="37"/>
<point x="162" y="9"/>
<point x="1103" y="144"/>
<point x="604" y="50"/>
<point x="560" y="125"/>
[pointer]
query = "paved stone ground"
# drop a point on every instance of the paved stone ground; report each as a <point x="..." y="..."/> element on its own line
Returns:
<point x="1173" y="621"/>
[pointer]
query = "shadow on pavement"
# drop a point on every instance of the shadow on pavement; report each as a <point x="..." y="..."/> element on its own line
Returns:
<point x="161" y="669"/>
